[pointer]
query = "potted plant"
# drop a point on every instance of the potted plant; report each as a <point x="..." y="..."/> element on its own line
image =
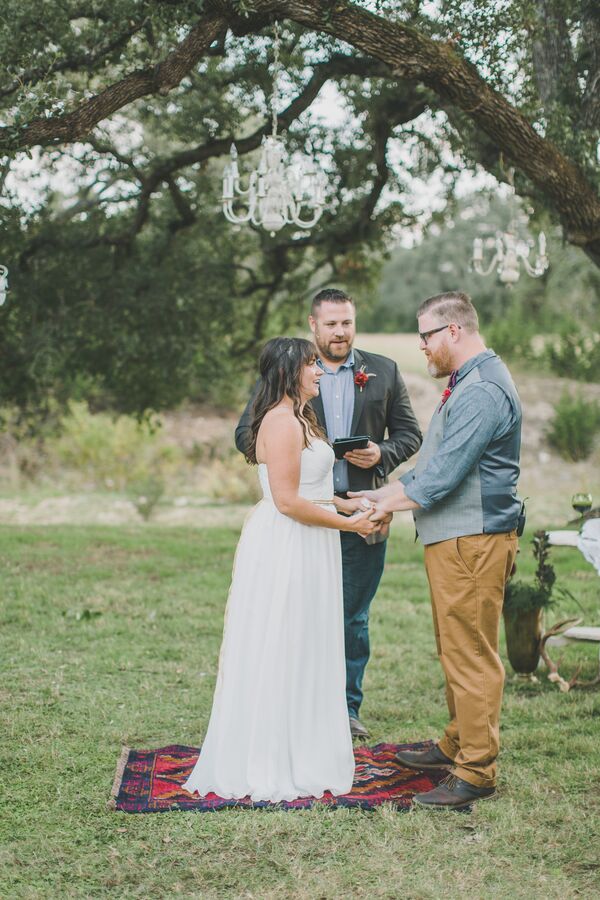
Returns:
<point x="524" y="605"/>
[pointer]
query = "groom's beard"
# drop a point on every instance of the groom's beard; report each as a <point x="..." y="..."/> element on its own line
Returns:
<point x="439" y="363"/>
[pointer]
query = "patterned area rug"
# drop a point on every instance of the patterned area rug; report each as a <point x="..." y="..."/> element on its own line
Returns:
<point x="150" y="781"/>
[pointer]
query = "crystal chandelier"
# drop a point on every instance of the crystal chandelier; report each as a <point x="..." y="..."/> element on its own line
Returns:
<point x="3" y="284"/>
<point x="511" y="250"/>
<point x="278" y="193"/>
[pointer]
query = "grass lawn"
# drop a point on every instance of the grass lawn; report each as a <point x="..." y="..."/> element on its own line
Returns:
<point x="110" y="636"/>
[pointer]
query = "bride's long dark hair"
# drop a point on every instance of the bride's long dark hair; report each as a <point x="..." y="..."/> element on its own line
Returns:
<point x="281" y="363"/>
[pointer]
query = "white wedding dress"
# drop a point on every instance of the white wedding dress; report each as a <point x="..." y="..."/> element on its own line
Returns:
<point x="279" y="727"/>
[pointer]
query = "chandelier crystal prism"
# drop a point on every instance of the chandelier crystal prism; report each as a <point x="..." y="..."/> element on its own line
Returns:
<point x="279" y="193"/>
<point x="511" y="250"/>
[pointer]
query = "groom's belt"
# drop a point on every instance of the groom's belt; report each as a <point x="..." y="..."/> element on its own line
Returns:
<point x="342" y="494"/>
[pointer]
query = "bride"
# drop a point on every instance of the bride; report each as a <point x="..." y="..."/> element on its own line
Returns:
<point x="279" y="727"/>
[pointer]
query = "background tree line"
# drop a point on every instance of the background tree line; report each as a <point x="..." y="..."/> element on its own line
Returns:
<point x="131" y="291"/>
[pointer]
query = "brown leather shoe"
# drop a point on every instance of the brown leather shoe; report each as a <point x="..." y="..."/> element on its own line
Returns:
<point x="425" y="759"/>
<point x="453" y="793"/>
<point x="357" y="729"/>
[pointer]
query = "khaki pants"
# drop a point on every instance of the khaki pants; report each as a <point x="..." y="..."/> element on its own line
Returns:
<point x="467" y="576"/>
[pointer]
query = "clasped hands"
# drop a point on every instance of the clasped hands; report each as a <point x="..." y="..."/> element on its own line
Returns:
<point x="358" y="502"/>
<point x="376" y="507"/>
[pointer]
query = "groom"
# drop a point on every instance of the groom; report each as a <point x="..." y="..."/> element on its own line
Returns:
<point x="463" y="494"/>
<point x="360" y="393"/>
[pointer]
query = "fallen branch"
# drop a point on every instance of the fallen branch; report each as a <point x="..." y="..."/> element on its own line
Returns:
<point x="553" y="673"/>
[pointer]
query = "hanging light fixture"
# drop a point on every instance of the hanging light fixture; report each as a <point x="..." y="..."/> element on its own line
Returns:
<point x="3" y="284"/>
<point x="510" y="249"/>
<point x="278" y="193"/>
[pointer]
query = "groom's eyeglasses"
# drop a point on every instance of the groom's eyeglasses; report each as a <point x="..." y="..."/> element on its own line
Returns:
<point x="425" y="335"/>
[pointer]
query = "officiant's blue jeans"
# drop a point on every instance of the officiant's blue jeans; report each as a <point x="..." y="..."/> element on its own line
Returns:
<point x="362" y="567"/>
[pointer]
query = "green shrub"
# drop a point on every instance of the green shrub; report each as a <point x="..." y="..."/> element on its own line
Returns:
<point x="145" y="494"/>
<point x="574" y="426"/>
<point x="512" y="337"/>
<point x="114" y="452"/>
<point x="231" y="480"/>
<point x="523" y="596"/>
<point x="575" y="355"/>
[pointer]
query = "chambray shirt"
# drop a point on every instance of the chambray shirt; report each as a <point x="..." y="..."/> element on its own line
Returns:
<point x="337" y="394"/>
<point x="481" y="412"/>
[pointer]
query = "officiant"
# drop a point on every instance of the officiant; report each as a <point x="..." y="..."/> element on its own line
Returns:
<point x="360" y="394"/>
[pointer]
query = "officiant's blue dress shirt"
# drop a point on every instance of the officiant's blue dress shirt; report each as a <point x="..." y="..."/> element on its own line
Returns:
<point x="337" y="394"/>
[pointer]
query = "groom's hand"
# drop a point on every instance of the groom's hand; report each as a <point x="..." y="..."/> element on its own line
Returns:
<point x="370" y="495"/>
<point x="353" y="504"/>
<point x="364" y="459"/>
<point x="381" y="516"/>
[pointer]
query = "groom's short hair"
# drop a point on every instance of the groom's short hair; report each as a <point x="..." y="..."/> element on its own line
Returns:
<point x="452" y="306"/>
<point x="330" y="295"/>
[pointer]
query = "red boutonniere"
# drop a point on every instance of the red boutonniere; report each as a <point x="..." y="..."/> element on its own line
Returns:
<point x="448" y="389"/>
<point x="362" y="377"/>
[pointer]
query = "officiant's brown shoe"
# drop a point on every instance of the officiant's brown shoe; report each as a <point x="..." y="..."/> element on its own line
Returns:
<point x="424" y="759"/>
<point x="453" y="793"/>
<point x="357" y="729"/>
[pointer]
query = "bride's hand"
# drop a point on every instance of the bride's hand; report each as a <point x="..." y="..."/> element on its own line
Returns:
<point x="352" y="505"/>
<point x="362" y="524"/>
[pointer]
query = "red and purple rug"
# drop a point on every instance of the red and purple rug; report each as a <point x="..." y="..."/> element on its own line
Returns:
<point x="150" y="781"/>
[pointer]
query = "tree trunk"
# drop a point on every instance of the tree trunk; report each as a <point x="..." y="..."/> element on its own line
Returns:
<point x="406" y="51"/>
<point x="412" y="54"/>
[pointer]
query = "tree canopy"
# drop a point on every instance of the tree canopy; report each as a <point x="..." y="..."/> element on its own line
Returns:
<point x="125" y="269"/>
<point x="441" y="261"/>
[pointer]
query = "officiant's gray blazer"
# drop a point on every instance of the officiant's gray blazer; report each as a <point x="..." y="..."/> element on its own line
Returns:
<point x="382" y="410"/>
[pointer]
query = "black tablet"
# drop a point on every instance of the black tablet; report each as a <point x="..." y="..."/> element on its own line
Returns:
<point x="342" y="445"/>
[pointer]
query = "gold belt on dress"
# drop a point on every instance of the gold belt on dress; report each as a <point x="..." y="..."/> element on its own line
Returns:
<point x="323" y="502"/>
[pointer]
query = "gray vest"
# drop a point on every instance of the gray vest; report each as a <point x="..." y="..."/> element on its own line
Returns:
<point x="485" y="502"/>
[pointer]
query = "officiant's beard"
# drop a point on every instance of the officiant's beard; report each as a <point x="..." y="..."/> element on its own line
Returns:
<point x="333" y="351"/>
<point x="439" y="362"/>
